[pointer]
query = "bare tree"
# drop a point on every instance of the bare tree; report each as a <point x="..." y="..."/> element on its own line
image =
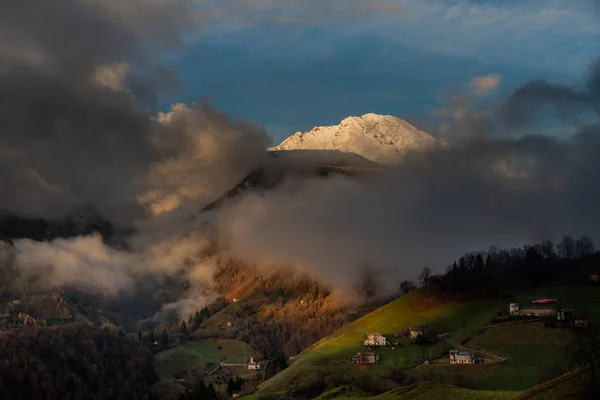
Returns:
<point x="407" y="287"/>
<point x="585" y="247"/>
<point x="547" y="250"/>
<point x="424" y="277"/>
<point x="566" y="248"/>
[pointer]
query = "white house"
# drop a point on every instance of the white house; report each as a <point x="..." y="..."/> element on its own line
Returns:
<point x="462" y="357"/>
<point x="375" y="339"/>
<point x="253" y="365"/>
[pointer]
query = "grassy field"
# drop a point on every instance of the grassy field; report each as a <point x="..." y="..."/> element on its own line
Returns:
<point x="329" y="359"/>
<point x="344" y="392"/>
<point x="536" y="353"/>
<point x="420" y="391"/>
<point x="431" y="391"/>
<point x="571" y="385"/>
<point x="194" y="355"/>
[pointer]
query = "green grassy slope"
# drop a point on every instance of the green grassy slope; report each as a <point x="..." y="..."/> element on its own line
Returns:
<point x="431" y="391"/>
<point x="194" y="355"/>
<point x="422" y="391"/>
<point x="419" y="391"/>
<point x="536" y="354"/>
<point x="572" y="385"/>
<point x="329" y="358"/>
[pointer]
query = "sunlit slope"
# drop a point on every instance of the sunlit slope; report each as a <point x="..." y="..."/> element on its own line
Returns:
<point x="329" y="359"/>
<point x="535" y="353"/>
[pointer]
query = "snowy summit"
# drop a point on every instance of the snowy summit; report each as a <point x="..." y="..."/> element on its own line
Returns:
<point x="379" y="138"/>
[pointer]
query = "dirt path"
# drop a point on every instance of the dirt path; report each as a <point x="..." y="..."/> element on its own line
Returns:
<point x="525" y="321"/>
<point x="214" y="370"/>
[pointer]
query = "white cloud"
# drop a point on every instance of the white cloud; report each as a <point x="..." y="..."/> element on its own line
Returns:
<point x="306" y="12"/>
<point x="550" y="34"/>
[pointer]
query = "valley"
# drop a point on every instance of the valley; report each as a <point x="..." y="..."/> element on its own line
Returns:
<point x="278" y="333"/>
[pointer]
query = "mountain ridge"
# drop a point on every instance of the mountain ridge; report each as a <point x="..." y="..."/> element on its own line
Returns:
<point x="379" y="138"/>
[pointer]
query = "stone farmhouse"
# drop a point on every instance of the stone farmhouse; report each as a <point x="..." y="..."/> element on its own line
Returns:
<point x="375" y="339"/>
<point x="416" y="331"/>
<point x="365" y="358"/>
<point x="537" y="312"/>
<point x="581" y="323"/>
<point x="462" y="357"/>
<point x="569" y="317"/>
<point x="253" y="365"/>
<point x="532" y="311"/>
<point x="565" y="314"/>
<point x="552" y="312"/>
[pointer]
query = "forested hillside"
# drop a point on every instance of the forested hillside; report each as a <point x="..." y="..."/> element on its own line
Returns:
<point x="280" y="311"/>
<point x="73" y="361"/>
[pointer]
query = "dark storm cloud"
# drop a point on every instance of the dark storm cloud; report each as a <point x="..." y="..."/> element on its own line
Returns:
<point x="75" y="130"/>
<point x="525" y="104"/>
<point x="75" y="35"/>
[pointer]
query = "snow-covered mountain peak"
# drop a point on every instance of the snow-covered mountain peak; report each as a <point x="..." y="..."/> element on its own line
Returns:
<point x="379" y="138"/>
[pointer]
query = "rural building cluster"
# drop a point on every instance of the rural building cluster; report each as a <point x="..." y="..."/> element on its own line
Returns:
<point x="550" y="310"/>
<point x="375" y="339"/>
